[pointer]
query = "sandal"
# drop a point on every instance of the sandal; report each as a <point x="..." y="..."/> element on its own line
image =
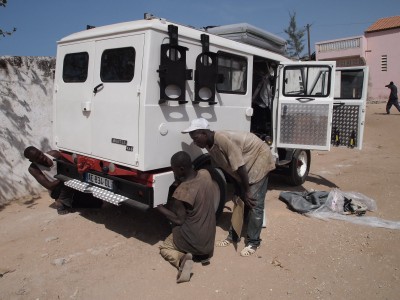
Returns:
<point x="249" y="250"/>
<point x="223" y="243"/>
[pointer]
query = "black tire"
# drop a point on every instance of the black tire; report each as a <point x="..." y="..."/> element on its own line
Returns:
<point x="219" y="204"/>
<point x="204" y="162"/>
<point x="299" y="167"/>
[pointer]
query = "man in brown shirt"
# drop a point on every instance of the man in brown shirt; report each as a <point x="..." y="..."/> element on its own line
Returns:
<point x="191" y="209"/>
<point x="248" y="160"/>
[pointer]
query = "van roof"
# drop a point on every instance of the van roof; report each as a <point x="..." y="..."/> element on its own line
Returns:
<point x="162" y="25"/>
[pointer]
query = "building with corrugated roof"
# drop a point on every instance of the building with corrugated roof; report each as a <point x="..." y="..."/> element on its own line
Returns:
<point x="378" y="48"/>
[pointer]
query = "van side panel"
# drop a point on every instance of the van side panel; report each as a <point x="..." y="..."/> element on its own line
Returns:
<point x="160" y="136"/>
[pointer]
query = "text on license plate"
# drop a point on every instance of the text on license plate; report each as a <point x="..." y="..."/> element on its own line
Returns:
<point x="100" y="181"/>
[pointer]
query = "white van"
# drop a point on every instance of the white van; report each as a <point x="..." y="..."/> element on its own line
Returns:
<point x="123" y="93"/>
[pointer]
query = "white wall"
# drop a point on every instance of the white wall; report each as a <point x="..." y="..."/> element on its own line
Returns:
<point x="26" y="85"/>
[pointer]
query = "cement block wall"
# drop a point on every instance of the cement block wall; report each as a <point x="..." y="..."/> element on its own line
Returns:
<point x="26" y="87"/>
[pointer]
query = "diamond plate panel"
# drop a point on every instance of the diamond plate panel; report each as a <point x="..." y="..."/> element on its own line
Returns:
<point x="96" y="191"/>
<point x="345" y="125"/>
<point x="304" y="124"/>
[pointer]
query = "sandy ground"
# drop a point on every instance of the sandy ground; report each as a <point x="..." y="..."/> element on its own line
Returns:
<point x="112" y="253"/>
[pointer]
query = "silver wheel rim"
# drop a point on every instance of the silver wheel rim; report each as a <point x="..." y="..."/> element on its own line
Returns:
<point x="302" y="164"/>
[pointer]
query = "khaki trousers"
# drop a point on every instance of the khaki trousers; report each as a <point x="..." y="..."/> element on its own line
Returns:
<point x="170" y="252"/>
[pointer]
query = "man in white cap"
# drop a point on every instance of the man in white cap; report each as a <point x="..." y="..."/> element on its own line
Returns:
<point x="248" y="160"/>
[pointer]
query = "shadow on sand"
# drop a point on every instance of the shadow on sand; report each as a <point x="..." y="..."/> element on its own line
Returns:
<point x="151" y="227"/>
<point x="147" y="226"/>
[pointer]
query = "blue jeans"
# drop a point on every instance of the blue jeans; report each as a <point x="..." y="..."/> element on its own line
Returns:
<point x="255" y="216"/>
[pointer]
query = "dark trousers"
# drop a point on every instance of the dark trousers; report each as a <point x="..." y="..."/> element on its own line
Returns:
<point x="63" y="193"/>
<point x="255" y="215"/>
<point x="394" y="102"/>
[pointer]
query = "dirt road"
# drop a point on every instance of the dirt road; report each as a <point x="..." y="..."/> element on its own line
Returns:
<point x="112" y="253"/>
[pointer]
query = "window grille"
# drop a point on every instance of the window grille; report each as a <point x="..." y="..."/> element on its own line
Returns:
<point x="384" y="63"/>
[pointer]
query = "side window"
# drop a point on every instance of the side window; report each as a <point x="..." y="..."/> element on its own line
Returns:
<point x="118" y="65"/>
<point x="349" y="84"/>
<point x="307" y="81"/>
<point x="232" y="72"/>
<point x="75" y="67"/>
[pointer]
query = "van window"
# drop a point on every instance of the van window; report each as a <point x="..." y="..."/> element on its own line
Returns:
<point x="75" y="67"/>
<point x="349" y="84"/>
<point x="232" y="70"/>
<point x="118" y="65"/>
<point x="311" y="81"/>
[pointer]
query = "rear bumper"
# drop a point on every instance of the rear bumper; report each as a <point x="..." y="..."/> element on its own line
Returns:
<point x="123" y="191"/>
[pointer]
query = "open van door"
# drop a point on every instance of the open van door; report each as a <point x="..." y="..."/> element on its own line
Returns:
<point x="349" y="107"/>
<point x="305" y="105"/>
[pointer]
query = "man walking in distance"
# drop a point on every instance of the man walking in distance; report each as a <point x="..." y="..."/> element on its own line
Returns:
<point x="191" y="209"/>
<point x="248" y="160"/>
<point x="393" y="99"/>
<point x="43" y="168"/>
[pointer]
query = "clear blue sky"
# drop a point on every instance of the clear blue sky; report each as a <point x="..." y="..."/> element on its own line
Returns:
<point x="40" y="24"/>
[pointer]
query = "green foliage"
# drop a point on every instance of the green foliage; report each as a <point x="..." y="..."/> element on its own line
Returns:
<point x="295" y="37"/>
<point x="2" y="32"/>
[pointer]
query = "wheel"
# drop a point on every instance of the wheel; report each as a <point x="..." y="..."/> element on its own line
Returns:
<point x="204" y="162"/>
<point x="219" y="201"/>
<point x="299" y="166"/>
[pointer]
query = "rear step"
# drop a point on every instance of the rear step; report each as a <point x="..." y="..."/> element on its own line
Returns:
<point x="97" y="192"/>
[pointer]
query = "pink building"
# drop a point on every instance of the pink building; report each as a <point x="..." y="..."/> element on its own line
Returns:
<point x="378" y="48"/>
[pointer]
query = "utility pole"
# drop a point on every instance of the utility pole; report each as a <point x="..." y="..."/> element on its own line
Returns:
<point x="308" y="39"/>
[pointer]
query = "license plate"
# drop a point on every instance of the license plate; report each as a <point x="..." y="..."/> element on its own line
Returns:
<point x="100" y="181"/>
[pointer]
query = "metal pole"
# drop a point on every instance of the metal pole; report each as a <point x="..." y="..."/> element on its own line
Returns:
<point x="308" y="38"/>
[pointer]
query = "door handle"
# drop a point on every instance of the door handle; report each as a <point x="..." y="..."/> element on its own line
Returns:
<point x="97" y="88"/>
<point x="305" y="99"/>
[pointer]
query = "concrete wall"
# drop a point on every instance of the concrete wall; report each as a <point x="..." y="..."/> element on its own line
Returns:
<point x="26" y="85"/>
<point x="340" y="52"/>
<point x="380" y="43"/>
<point x="373" y="46"/>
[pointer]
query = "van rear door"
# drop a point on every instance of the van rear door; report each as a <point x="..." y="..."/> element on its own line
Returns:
<point x="72" y="97"/>
<point x="349" y="106"/>
<point x="97" y="95"/>
<point x="116" y="94"/>
<point x="305" y="105"/>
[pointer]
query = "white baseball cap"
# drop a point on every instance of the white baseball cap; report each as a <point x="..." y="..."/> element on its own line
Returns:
<point x="197" y="124"/>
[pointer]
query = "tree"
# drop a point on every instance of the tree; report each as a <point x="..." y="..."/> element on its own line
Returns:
<point x="3" y="3"/>
<point x="295" y="40"/>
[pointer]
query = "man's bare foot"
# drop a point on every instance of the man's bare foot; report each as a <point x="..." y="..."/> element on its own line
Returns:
<point x="61" y="208"/>
<point x="185" y="268"/>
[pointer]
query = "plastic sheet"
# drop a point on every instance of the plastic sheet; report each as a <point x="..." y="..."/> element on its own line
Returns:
<point x="333" y="209"/>
<point x="335" y="201"/>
